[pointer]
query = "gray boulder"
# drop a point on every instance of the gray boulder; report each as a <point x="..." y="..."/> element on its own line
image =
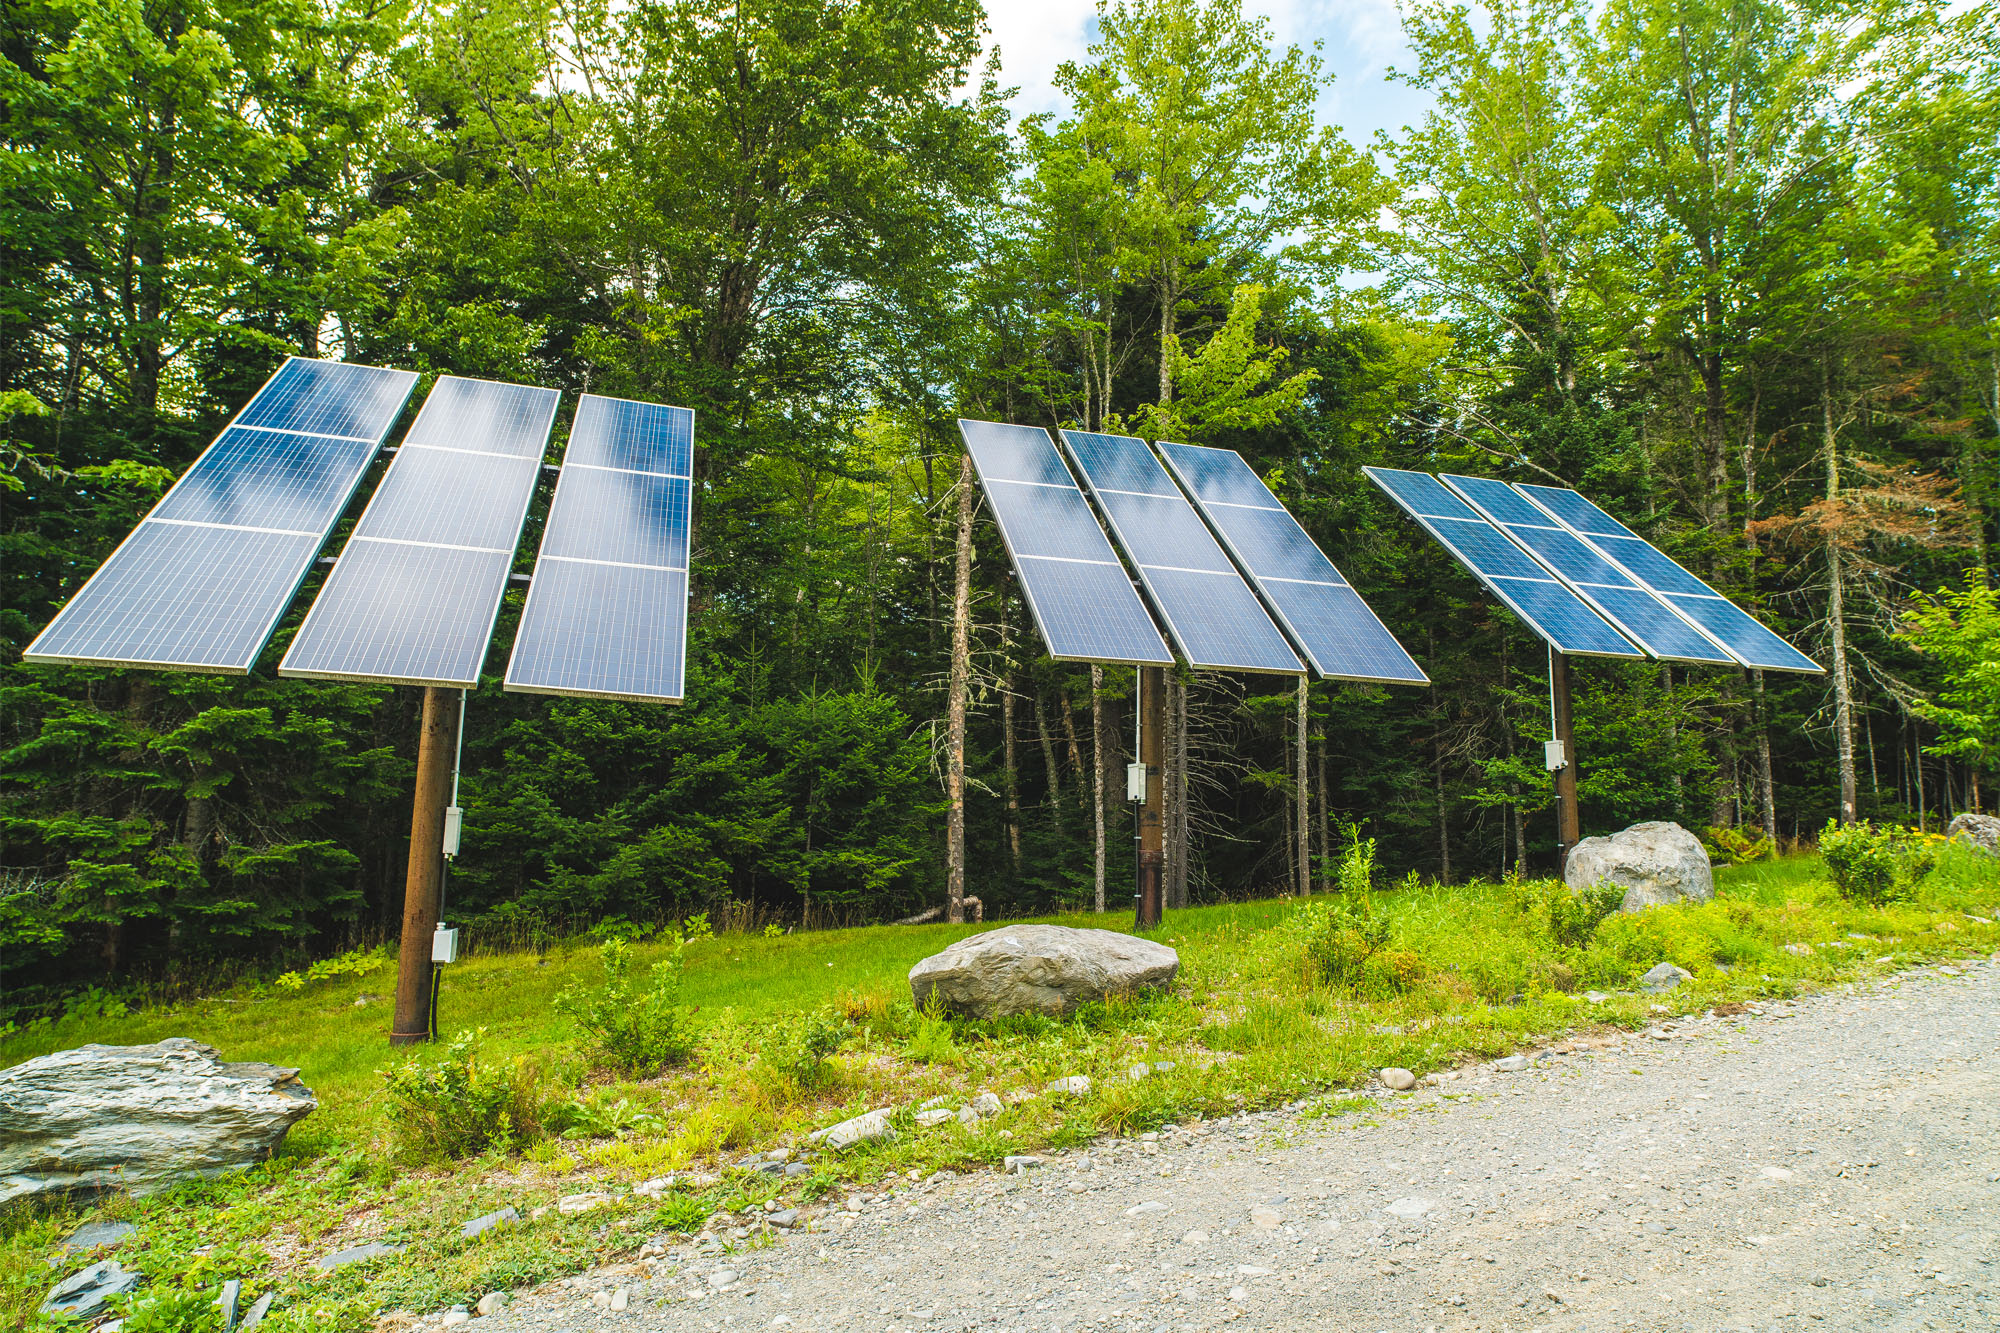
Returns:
<point x="136" y="1118"/>
<point x="1039" y="969"/>
<point x="1982" y="831"/>
<point x="86" y="1293"/>
<point x="1654" y="863"/>
<point x="1665" y="976"/>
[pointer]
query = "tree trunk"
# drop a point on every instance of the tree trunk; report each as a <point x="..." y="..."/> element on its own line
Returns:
<point x="1068" y="715"/>
<point x="1767" y="788"/>
<point x="1325" y="827"/>
<point x="1098" y="766"/>
<point x="1011" y="776"/>
<point x="1177" y="850"/>
<point x="1049" y="762"/>
<point x="1304" y="878"/>
<point x="1836" y="613"/>
<point x="960" y="690"/>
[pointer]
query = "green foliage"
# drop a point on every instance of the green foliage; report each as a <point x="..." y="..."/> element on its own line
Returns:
<point x="1344" y="941"/>
<point x="640" y="1030"/>
<point x="1960" y="630"/>
<point x="1354" y="872"/>
<point x="1738" y="846"/>
<point x="1574" y="915"/>
<point x="354" y="963"/>
<point x="463" y="1103"/>
<point x="172" y="1310"/>
<point x="802" y="1048"/>
<point x="1876" y="864"/>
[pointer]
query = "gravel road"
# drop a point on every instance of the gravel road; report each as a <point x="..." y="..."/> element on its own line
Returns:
<point x="1829" y="1163"/>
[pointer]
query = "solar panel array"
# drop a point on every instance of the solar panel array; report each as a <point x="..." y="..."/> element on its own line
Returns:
<point x="1077" y="591"/>
<point x="1547" y="606"/>
<point x="1722" y="620"/>
<point x="1326" y="618"/>
<point x="1210" y="612"/>
<point x="414" y="595"/>
<point x="607" y="612"/>
<point x="204" y="579"/>
<point x="1642" y="617"/>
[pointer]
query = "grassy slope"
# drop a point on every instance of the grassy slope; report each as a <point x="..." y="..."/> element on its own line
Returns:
<point x="1241" y="1026"/>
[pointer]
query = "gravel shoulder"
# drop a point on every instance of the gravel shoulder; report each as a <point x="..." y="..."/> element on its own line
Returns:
<point x="1825" y="1163"/>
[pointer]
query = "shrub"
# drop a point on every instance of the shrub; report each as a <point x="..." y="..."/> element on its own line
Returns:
<point x="801" y="1049"/>
<point x="1739" y="846"/>
<point x="1875" y="865"/>
<point x="463" y="1104"/>
<point x="931" y="1040"/>
<point x="640" y="1031"/>
<point x="172" y="1310"/>
<point x="1339" y="937"/>
<point x="1574" y="916"/>
<point x="1354" y="872"/>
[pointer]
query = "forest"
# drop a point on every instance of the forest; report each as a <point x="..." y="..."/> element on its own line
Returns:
<point x="1733" y="269"/>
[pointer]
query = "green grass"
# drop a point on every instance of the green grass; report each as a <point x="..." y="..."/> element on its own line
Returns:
<point x="1475" y="974"/>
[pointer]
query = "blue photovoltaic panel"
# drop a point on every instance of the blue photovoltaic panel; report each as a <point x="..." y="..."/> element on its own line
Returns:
<point x="1548" y="607"/>
<point x="413" y="598"/>
<point x="1208" y="609"/>
<point x="1075" y="587"/>
<point x="1645" y="619"/>
<point x="1325" y="617"/>
<point x="206" y="576"/>
<point x="607" y="611"/>
<point x="1746" y="640"/>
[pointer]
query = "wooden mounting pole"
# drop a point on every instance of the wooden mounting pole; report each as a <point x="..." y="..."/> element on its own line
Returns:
<point x="1151" y="824"/>
<point x="1568" y="827"/>
<point x="425" y="879"/>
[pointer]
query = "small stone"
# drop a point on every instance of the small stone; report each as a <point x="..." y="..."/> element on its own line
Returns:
<point x="793" y="1169"/>
<point x="722" y="1279"/>
<point x="1799" y="950"/>
<point x="454" y="1317"/>
<point x="1076" y="1085"/>
<point x="1266" y="1218"/>
<point x="1238" y="1294"/>
<point x="1775" y="1173"/>
<point x="987" y="1105"/>
<point x="257" y="1312"/>
<point x="1511" y="1064"/>
<point x="93" y="1234"/>
<point x="1195" y="1238"/>
<point x="491" y="1303"/>
<point x="1398" y="1079"/>
<point x="1410" y="1208"/>
<point x="860" y="1129"/>
<point x="479" y="1226"/>
<point x="780" y="1154"/>
<point x="232" y="1293"/>
<point x="1149" y="1206"/>
<point x="655" y="1187"/>
<point x="582" y="1203"/>
<point x="1137" y="1072"/>
<point x="1162" y="1066"/>
<point x="621" y="1299"/>
<point x="784" y="1217"/>
<point x="1021" y="1165"/>
<point x="1665" y="976"/>
<point x="937" y="1115"/>
<point x="782" y="1321"/>
<point x="358" y="1254"/>
<point x="1595" y="996"/>
<point x="1251" y="1270"/>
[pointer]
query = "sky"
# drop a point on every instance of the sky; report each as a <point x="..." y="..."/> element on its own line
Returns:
<point x="1360" y="40"/>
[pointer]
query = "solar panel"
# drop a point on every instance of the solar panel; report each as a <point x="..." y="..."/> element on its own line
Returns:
<point x="203" y="580"/>
<point x="1325" y="617"/>
<point x="1645" y="619"/>
<point x="607" y="612"/>
<point x="413" y="597"/>
<point x="1209" y="610"/>
<point x="1079" y="594"/>
<point x="1729" y="625"/>
<point x="1548" y="607"/>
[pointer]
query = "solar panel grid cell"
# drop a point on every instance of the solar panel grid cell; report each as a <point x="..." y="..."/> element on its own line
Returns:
<point x="1327" y="620"/>
<point x="1077" y="591"/>
<point x="1745" y="639"/>
<point x="1545" y="604"/>
<point x="607" y="612"/>
<point x="1213" y="616"/>
<point x="174" y="595"/>
<point x="1613" y="593"/>
<point x="413" y="598"/>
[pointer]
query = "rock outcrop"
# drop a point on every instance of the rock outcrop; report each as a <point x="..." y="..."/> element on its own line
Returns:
<point x="1039" y="969"/>
<point x="136" y="1118"/>
<point x="1981" y="831"/>
<point x="1654" y="863"/>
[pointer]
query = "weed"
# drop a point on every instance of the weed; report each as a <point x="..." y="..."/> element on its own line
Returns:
<point x="462" y="1104"/>
<point x="183" y="1310"/>
<point x="1573" y="917"/>
<point x="638" y="1031"/>
<point x="683" y="1212"/>
<point x="1876" y="865"/>
<point x="930" y="1039"/>
<point x="1739" y="846"/>
<point x="802" y="1048"/>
